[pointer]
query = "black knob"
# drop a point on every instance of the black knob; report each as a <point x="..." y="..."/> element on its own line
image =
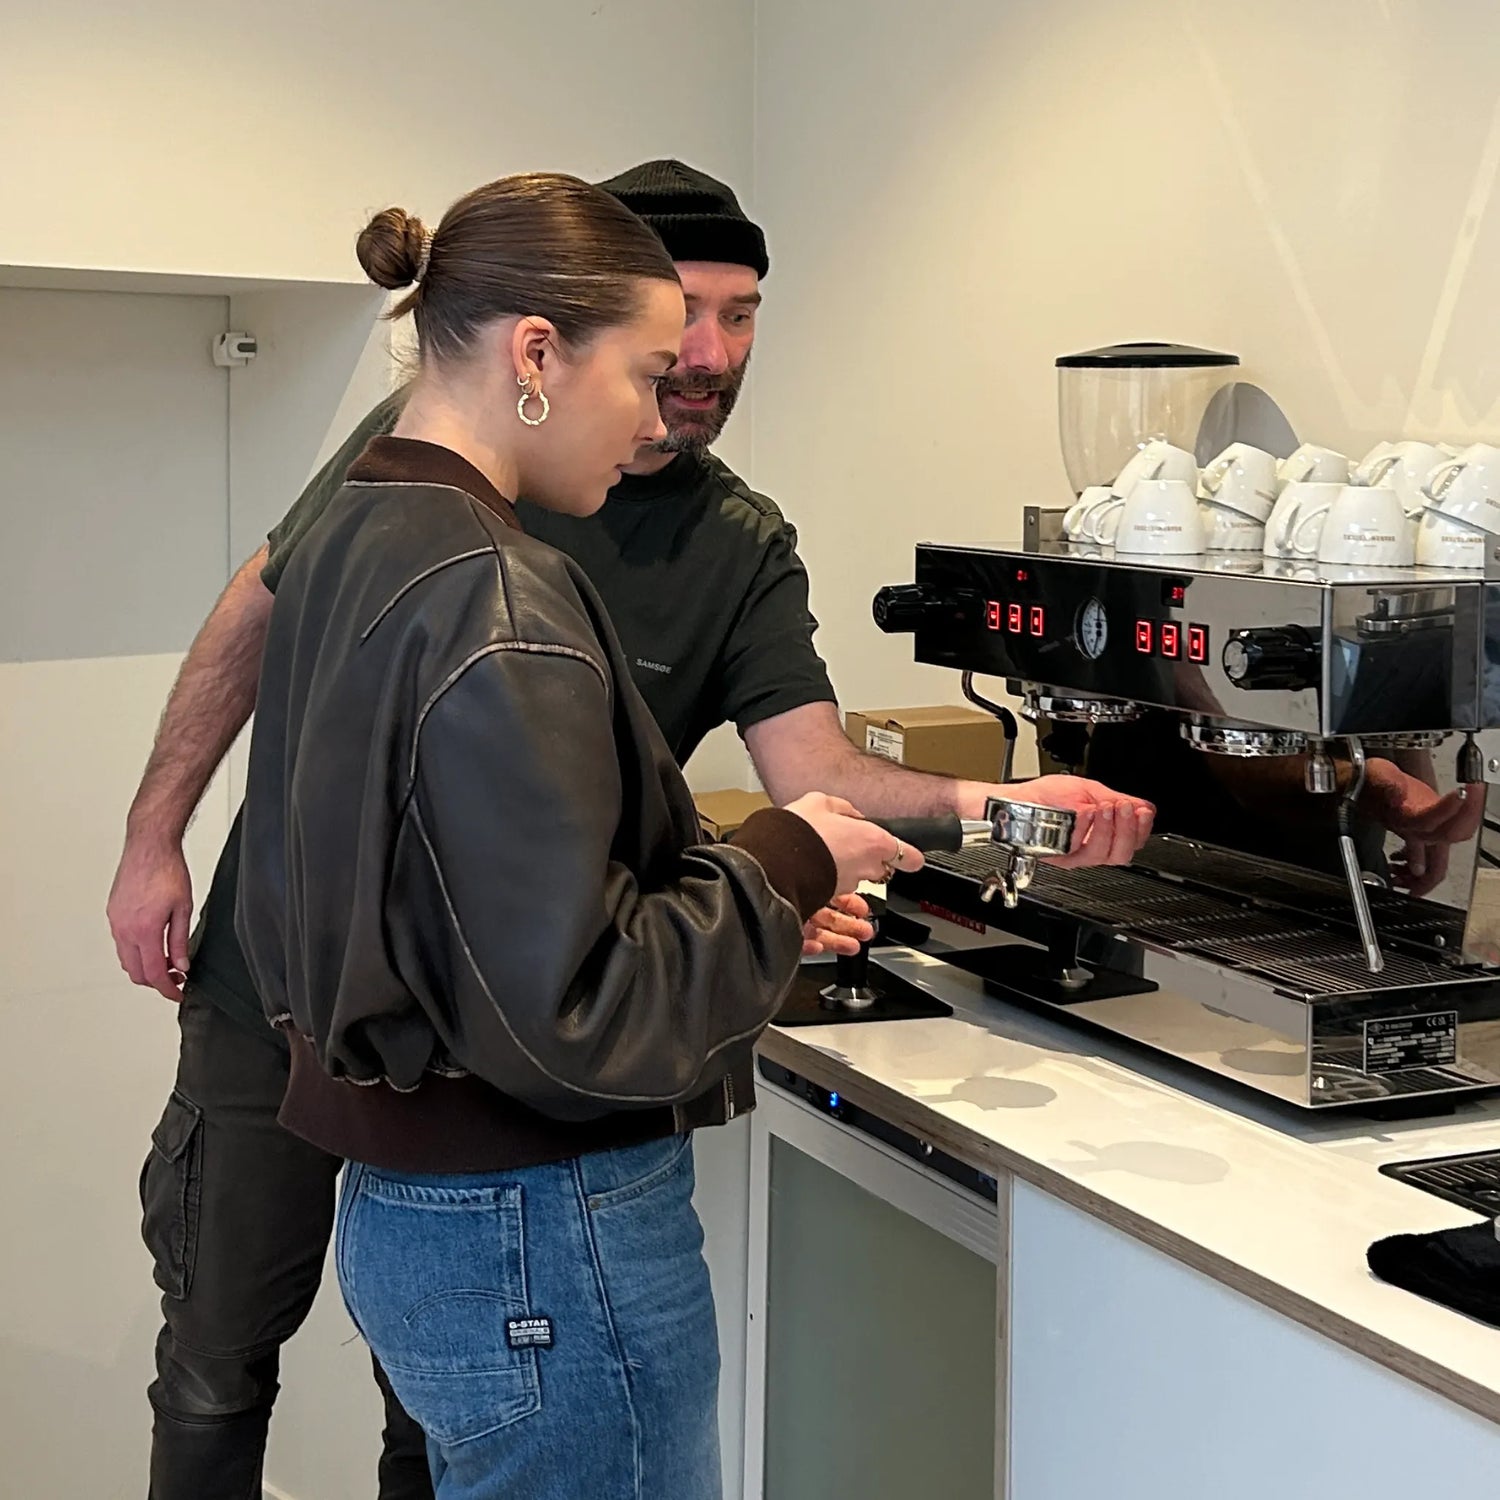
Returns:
<point x="903" y="607"/>
<point x="1283" y="657"/>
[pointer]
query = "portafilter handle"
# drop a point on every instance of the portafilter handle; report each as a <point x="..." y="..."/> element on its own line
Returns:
<point x="944" y="833"/>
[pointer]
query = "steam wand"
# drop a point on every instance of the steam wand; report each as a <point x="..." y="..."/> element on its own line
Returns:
<point x="1352" y="873"/>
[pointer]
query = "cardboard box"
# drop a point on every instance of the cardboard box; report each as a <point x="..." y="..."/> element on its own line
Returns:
<point x="948" y="739"/>
<point x="721" y="813"/>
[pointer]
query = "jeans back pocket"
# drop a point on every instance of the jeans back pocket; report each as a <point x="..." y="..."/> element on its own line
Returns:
<point x="432" y="1276"/>
<point x="171" y="1194"/>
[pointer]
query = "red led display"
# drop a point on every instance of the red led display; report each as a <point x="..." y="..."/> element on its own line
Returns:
<point x="1144" y="636"/>
<point x="1038" y="620"/>
<point x="1177" y="593"/>
<point x="1197" y="643"/>
<point x="1023" y="575"/>
<point x="1014" y="619"/>
<point x="1171" y="640"/>
<point x="992" y="611"/>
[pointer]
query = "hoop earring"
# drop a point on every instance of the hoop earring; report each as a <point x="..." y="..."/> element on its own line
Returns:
<point x="528" y="393"/>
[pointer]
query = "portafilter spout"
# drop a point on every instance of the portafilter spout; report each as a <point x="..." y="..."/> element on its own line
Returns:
<point x="1023" y="833"/>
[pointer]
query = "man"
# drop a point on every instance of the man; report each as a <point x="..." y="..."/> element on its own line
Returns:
<point x="703" y="583"/>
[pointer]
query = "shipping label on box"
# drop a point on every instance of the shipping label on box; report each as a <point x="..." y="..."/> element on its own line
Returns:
<point x="946" y="739"/>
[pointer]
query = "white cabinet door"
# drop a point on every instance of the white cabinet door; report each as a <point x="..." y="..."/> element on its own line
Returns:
<point x="1137" y="1378"/>
<point x="114" y="516"/>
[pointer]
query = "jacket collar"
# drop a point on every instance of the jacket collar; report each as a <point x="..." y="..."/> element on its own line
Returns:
<point x="400" y="460"/>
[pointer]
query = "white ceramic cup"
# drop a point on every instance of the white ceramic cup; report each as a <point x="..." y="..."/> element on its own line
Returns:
<point x="1077" y="521"/>
<point x="1360" y="474"/>
<point x="1228" y="530"/>
<point x="1310" y="462"/>
<point x="1445" y="543"/>
<point x="1160" y="518"/>
<point x="1367" y="526"/>
<point x="1157" y="459"/>
<point x="1293" y="528"/>
<point x="1403" y="467"/>
<point x="1467" y="488"/>
<point x="1241" y="478"/>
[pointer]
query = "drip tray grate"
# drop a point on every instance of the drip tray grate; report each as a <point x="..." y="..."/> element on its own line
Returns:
<point x="1472" y="1182"/>
<point x="1299" y="950"/>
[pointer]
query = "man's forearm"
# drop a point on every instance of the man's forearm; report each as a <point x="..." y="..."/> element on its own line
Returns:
<point x="209" y="703"/>
<point x="879" y="788"/>
<point x="805" y="750"/>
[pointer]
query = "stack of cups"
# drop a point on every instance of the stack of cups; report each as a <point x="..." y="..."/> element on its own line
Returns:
<point x="1161" y="472"/>
<point x="1306" y="484"/>
<point x="1403" y="467"/>
<point x="1321" y="516"/>
<point x="1238" y="491"/>
<point x="1461" y="510"/>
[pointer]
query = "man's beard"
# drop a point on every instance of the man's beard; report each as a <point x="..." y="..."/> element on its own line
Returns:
<point x="697" y="431"/>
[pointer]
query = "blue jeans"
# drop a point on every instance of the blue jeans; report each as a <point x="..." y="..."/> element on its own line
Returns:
<point x="551" y="1328"/>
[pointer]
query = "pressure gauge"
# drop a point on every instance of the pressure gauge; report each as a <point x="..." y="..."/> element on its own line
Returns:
<point x="1092" y="630"/>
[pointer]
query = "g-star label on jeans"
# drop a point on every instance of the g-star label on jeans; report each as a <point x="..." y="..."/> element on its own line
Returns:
<point x="529" y="1333"/>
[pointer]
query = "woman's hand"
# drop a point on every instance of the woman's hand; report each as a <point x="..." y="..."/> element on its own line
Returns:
<point x="840" y="927"/>
<point x="861" y="849"/>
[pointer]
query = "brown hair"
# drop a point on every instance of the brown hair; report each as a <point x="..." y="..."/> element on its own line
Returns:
<point x="538" y="244"/>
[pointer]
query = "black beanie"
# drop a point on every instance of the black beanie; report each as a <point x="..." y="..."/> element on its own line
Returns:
<point x="697" y="217"/>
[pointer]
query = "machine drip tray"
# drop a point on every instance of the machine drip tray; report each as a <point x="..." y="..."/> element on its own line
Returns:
<point x="1471" y="1181"/>
<point x="1013" y="969"/>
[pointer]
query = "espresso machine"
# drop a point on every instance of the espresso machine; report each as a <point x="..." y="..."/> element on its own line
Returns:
<point x="1310" y="979"/>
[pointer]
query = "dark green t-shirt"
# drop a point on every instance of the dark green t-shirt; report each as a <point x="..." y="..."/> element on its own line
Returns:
<point x="702" y="582"/>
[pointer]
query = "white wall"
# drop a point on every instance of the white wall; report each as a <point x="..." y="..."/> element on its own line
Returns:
<point x="256" y="138"/>
<point x="249" y="141"/>
<point x="112" y="547"/>
<point x="958" y="192"/>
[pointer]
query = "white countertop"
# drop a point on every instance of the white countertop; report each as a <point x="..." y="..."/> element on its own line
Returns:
<point x="1278" y="1203"/>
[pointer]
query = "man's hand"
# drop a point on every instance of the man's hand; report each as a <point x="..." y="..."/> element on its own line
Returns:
<point x="151" y="901"/>
<point x="150" y="906"/>
<point x="1428" y="823"/>
<point x="1110" y="829"/>
<point x="839" y="928"/>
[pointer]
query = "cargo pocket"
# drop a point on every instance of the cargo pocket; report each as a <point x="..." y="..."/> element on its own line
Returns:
<point x="171" y="1193"/>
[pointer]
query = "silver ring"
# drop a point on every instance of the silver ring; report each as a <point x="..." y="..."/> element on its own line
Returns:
<point x="895" y="860"/>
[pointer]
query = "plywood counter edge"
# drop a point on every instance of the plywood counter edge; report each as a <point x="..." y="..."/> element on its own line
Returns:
<point x="991" y="1157"/>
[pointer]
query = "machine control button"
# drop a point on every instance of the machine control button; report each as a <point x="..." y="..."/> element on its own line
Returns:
<point x="1282" y="657"/>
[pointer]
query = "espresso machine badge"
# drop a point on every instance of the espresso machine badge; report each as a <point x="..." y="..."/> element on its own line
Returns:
<point x="1393" y="1043"/>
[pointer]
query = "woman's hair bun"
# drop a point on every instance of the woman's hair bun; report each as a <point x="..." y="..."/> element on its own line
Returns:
<point x="390" y="248"/>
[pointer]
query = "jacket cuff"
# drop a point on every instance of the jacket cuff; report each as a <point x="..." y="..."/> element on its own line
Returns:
<point x="796" y="861"/>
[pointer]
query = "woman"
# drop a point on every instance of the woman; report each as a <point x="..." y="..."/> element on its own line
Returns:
<point x="473" y="883"/>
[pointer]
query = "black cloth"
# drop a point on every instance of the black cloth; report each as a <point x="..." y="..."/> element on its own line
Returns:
<point x="237" y="1215"/>
<point x="1459" y="1268"/>
<point x="697" y="216"/>
<point x="702" y="583"/>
